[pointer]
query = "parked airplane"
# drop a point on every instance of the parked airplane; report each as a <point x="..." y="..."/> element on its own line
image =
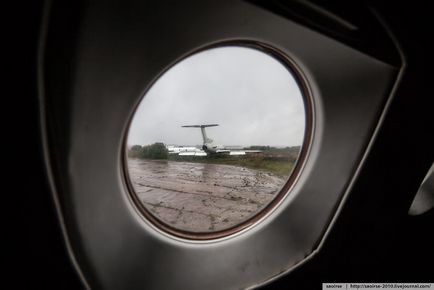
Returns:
<point x="209" y="147"/>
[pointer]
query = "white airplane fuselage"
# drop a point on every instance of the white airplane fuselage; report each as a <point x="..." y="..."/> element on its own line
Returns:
<point x="210" y="147"/>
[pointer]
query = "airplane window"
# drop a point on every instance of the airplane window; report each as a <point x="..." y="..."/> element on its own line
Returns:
<point x="215" y="140"/>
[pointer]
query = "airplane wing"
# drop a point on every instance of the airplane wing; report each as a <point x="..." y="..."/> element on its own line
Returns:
<point x="192" y="151"/>
<point x="223" y="151"/>
<point x="197" y="153"/>
<point x="243" y="152"/>
<point x="185" y="151"/>
<point x="237" y="151"/>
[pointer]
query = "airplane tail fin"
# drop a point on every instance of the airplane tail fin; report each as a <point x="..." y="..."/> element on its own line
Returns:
<point x="202" y="128"/>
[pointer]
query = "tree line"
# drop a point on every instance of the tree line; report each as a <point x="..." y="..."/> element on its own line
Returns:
<point x="153" y="151"/>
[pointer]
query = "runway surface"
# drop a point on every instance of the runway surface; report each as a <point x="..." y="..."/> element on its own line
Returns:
<point x="200" y="197"/>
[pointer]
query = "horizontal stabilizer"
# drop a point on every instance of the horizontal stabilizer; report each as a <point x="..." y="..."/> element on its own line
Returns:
<point x="200" y="126"/>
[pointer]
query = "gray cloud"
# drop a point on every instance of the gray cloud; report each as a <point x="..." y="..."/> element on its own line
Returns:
<point x="251" y="95"/>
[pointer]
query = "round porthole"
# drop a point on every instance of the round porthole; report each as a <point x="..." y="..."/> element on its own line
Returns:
<point x="217" y="140"/>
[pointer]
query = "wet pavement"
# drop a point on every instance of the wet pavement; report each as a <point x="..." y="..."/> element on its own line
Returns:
<point x="200" y="197"/>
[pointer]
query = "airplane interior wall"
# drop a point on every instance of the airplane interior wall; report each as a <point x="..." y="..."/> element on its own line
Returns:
<point x="373" y="240"/>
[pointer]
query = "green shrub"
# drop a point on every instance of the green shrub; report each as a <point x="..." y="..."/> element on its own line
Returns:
<point x="154" y="151"/>
<point x="134" y="151"/>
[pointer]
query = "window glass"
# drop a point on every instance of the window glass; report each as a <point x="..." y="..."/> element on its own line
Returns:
<point x="215" y="139"/>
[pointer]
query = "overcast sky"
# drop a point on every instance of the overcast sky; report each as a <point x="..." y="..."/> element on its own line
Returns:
<point x="252" y="96"/>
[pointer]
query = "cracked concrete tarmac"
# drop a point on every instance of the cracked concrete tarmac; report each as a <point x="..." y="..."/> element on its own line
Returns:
<point x="199" y="197"/>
